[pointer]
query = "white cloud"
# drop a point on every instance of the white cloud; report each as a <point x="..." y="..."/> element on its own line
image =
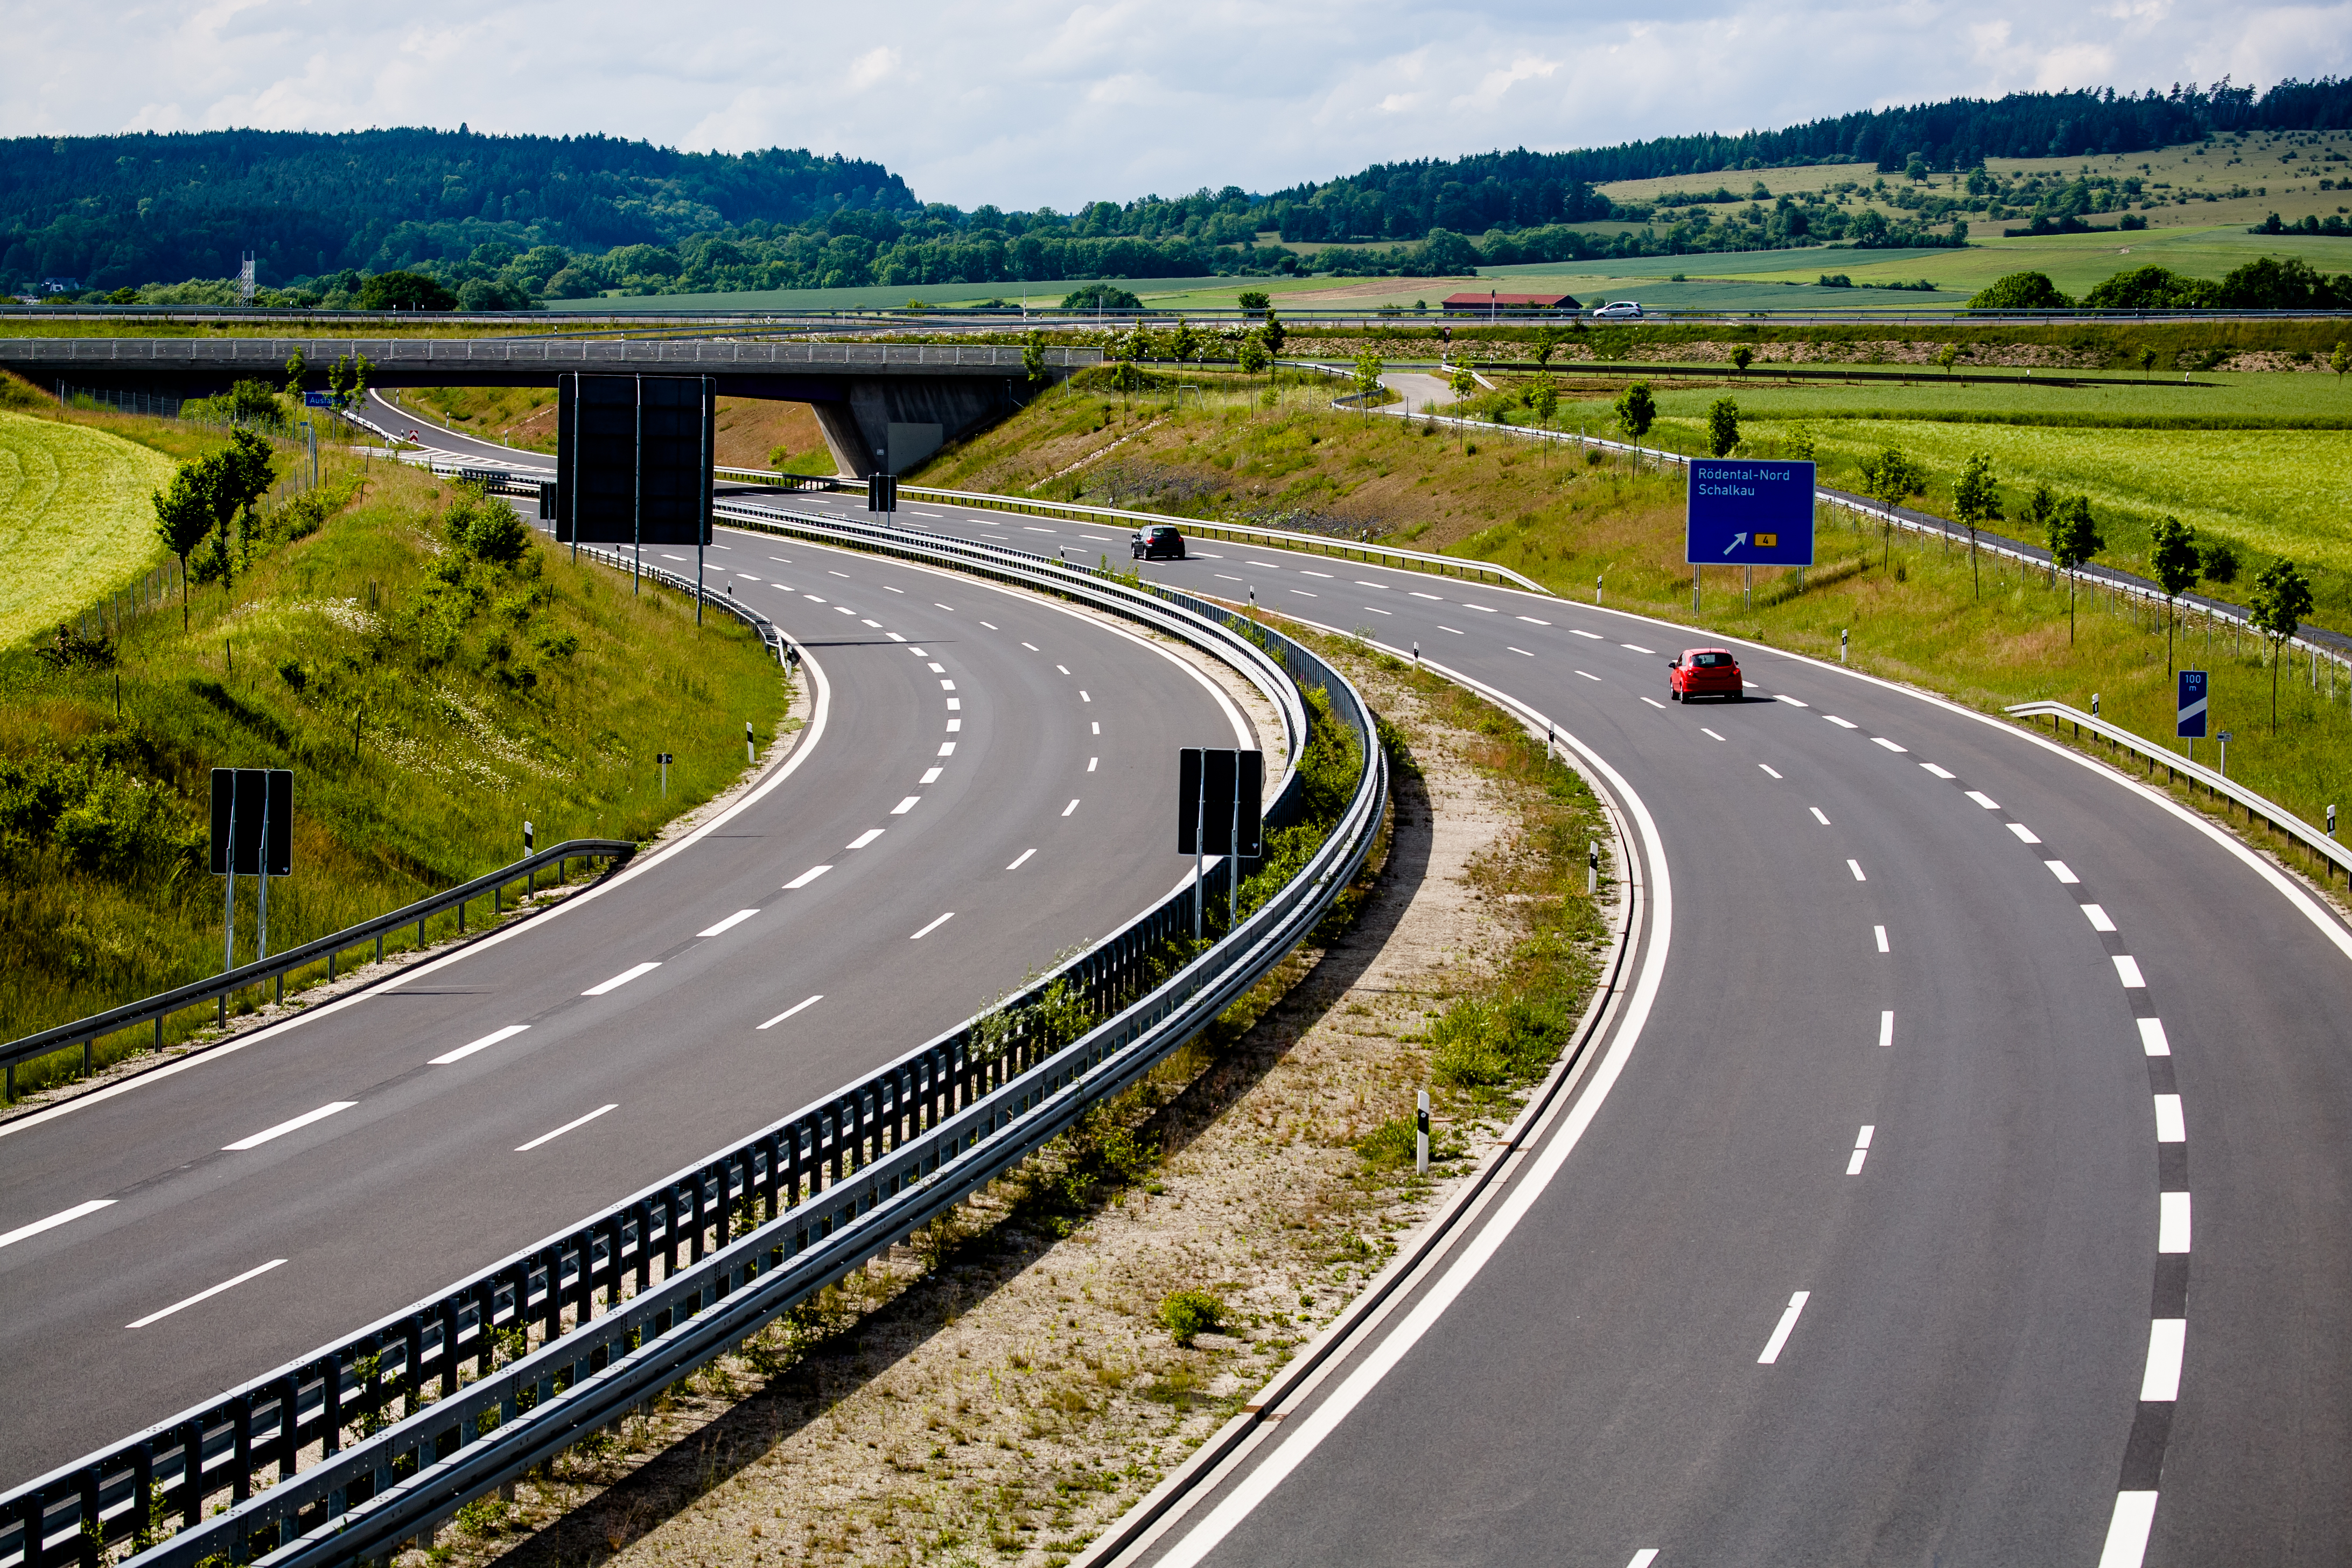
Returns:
<point x="1051" y="102"/>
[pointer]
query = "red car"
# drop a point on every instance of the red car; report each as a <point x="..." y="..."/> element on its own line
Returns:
<point x="1705" y="672"/>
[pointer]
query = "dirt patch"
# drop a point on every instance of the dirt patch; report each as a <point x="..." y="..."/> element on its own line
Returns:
<point x="1007" y="1387"/>
<point x="745" y="430"/>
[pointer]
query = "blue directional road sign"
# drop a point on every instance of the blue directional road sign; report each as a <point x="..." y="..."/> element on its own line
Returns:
<point x="1748" y="513"/>
<point x="2191" y="717"/>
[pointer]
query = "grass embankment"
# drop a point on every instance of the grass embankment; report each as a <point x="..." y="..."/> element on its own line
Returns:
<point x="746" y="432"/>
<point x="75" y="513"/>
<point x="1913" y="614"/>
<point x="429" y="697"/>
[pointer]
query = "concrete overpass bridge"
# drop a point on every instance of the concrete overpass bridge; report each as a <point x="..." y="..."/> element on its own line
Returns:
<point x="879" y="403"/>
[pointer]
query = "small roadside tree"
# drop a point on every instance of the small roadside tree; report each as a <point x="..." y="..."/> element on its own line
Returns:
<point x="1253" y="357"/>
<point x="1975" y="500"/>
<point x="1947" y="356"/>
<point x="1184" y="343"/>
<point x="2173" y="556"/>
<point x="1742" y="357"/>
<point x="2341" y="360"/>
<point x="1548" y="342"/>
<point x="1367" y="379"/>
<point x="2040" y="508"/>
<point x="1033" y="358"/>
<point x="1637" y="410"/>
<point x="2282" y="598"/>
<point x="2074" y="537"/>
<point x="2147" y="364"/>
<point x="1464" y="386"/>
<point x="184" y="515"/>
<point x="1273" y="333"/>
<point x="1722" y="427"/>
<point x="1889" y="477"/>
<point x="297" y="370"/>
<point x="1544" y="398"/>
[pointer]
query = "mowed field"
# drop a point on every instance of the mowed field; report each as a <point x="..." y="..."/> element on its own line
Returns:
<point x="76" y="520"/>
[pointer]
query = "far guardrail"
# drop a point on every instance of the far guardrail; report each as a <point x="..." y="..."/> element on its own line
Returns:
<point x="88" y="1032"/>
<point x="2272" y="815"/>
<point x="1242" y="534"/>
<point x="741" y="1238"/>
<point x="409" y="357"/>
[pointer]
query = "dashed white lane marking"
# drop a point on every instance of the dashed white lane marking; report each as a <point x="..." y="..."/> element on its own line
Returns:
<point x="1069" y="808"/>
<point x="953" y="725"/>
<point x="470" y="1047"/>
<point x="954" y="703"/>
<point x="830" y="573"/>
<point x="2172" y="1222"/>
<point x="1769" y="768"/>
<point x="1085" y="696"/>
<point x="930" y="776"/>
<point x="1033" y="647"/>
<point x="813" y="872"/>
<point x="1520" y="650"/>
<point x="906" y="805"/>
<point x="1303" y="572"/>
<point x="813" y="598"/>
<point x="295" y="1123"/>
<point x="1018" y="858"/>
<point x="1418" y="595"/>
<point x="667" y="556"/>
<point x="932" y="927"/>
<point x="1984" y="800"/>
<point x="2151" y="1037"/>
<point x="1784" y="696"/>
<point x="1654" y="703"/>
<point x="946" y="686"/>
<point x="1880" y="932"/>
<point x="1267" y="564"/>
<point x="1885" y="1029"/>
<point x="947" y="748"/>
<point x="1361" y="584"/>
<point x="1063" y="667"/>
<point x="1939" y="773"/>
<point x="1883" y="740"/>
<point x="1855" y="867"/>
<point x="937" y="668"/>
<point x="2167" y="1339"/>
<point x="1443" y="627"/>
<point x="795" y="1007"/>
<point x="1643" y="1558"/>
<point x="63" y="1217"/>
<point x="2058" y="869"/>
<point x="2128" y="970"/>
<point x="1588" y="674"/>
<point x="846" y="610"/>
<point x="1534" y="622"/>
<point x="2097" y="917"/>
<point x="206" y="1295"/>
<point x="1708" y="733"/>
<point x="894" y="637"/>
<point x="572" y="1126"/>
<point x="860" y="842"/>
<point x="2025" y="834"/>
<point x="1818" y="815"/>
<point x="1841" y="723"/>
<point x="1580" y="632"/>
<point x="1781" y="1330"/>
<point x="887" y="589"/>
<point x="1098" y="726"/>
<point x="1223" y="577"/>
<point x="1305" y="595"/>
<point x="737" y="918"/>
<point x="1091" y="762"/>
<point x="1635" y="647"/>
<point x="1378" y="611"/>
<point x="1861" y="1150"/>
<point x="875" y="625"/>
<point x="2170" y="1126"/>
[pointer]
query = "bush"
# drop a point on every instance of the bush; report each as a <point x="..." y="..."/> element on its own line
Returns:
<point x="2020" y="292"/>
<point x="2220" y="562"/>
<point x="1482" y="1043"/>
<point x="1101" y="296"/>
<point x="1188" y="1314"/>
<point x="405" y="291"/>
<point x="1391" y="1145"/>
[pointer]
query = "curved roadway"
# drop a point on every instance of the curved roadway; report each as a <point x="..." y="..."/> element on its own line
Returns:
<point x="962" y="805"/>
<point x="1963" y="1180"/>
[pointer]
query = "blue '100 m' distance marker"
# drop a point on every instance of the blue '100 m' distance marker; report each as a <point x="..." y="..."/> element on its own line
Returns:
<point x="1747" y="513"/>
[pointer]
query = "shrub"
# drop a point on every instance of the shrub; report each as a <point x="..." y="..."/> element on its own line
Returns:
<point x="1188" y="1314"/>
<point x="1391" y="1144"/>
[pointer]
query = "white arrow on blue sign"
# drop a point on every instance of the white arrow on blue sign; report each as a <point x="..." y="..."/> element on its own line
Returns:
<point x="2191" y="721"/>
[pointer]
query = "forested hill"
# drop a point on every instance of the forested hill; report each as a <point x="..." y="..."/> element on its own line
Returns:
<point x="502" y="221"/>
<point x="1470" y="195"/>
<point x="125" y="210"/>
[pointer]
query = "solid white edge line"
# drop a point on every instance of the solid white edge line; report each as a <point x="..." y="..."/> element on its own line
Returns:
<point x="622" y="978"/>
<point x="470" y="1047"/>
<point x="63" y="1217"/>
<point x="206" y="1295"/>
<point x="580" y="1121"/>
<point x="291" y="1124"/>
<point x="737" y="918"/>
<point x="795" y="1007"/>
<point x="821" y="712"/>
<point x="1296" y="1444"/>
<point x="2127" y="1532"/>
<point x="1784" y="1328"/>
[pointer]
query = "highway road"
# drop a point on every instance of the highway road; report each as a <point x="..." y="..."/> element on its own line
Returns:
<point x="1872" y="1231"/>
<point x="983" y="783"/>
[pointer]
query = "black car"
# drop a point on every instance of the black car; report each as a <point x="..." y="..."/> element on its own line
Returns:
<point x="1157" y="539"/>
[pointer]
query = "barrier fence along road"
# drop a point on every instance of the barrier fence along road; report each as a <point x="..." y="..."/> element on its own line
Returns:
<point x="740" y="1236"/>
<point x="88" y="1032"/>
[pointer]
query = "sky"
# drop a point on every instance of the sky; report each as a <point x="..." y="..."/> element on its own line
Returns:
<point x="1042" y="102"/>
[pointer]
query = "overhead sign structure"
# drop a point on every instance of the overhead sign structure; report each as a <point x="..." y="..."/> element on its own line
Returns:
<point x="1218" y="813"/>
<point x="1746" y="513"/>
<point x="2189" y="721"/>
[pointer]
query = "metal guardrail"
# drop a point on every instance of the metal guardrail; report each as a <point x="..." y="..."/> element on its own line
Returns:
<point x="770" y="635"/>
<point x="88" y="1032"/>
<point x="1240" y="533"/>
<point x="533" y="354"/>
<point x="2261" y="807"/>
<point x="762" y="1226"/>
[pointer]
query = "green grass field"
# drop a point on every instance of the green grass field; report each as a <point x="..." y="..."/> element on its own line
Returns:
<point x="2075" y="262"/>
<point x="76" y="519"/>
<point x="428" y="704"/>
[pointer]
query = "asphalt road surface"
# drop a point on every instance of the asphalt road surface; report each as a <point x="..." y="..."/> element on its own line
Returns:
<point x="985" y="784"/>
<point x="1964" y="1182"/>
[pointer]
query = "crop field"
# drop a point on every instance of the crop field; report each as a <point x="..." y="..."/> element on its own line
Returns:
<point x="2075" y="262"/>
<point x="75" y="520"/>
<point x="2216" y="398"/>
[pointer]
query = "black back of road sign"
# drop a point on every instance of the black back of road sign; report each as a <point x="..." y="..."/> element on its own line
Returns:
<point x="254" y="798"/>
<point x="633" y="458"/>
<point x="1213" y="788"/>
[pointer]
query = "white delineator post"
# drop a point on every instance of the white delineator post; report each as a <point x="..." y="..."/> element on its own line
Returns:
<point x="1420" y="1135"/>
